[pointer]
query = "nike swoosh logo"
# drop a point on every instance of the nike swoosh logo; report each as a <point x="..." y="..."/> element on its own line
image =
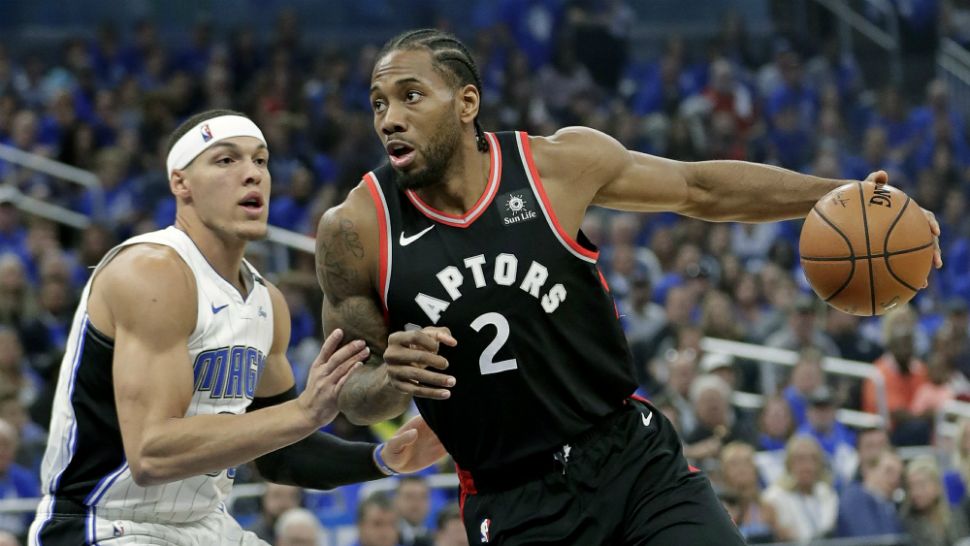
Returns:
<point x="646" y="419"/>
<point x="405" y="241"/>
<point x="215" y="310"/>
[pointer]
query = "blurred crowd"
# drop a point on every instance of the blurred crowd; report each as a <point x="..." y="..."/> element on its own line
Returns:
<point x="787" y="471"/>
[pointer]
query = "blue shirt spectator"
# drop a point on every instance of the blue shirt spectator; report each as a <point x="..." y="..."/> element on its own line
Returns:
<point x="866" y="508"/>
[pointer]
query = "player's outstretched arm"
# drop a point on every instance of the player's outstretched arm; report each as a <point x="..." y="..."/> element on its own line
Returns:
<point x="598" y="170"/>
<point x="149" y="296"/>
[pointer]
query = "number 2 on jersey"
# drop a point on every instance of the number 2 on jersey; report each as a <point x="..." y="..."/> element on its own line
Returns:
<point x="486" y="362"/>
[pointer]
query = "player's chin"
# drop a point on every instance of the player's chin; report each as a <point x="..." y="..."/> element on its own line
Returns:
<point x="254" y="230"/>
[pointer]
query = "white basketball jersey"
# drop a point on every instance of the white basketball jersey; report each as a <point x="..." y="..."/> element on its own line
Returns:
<point x="85" y="464"/>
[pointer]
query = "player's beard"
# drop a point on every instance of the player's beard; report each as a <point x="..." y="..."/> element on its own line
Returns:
<point x="441" y="150"/>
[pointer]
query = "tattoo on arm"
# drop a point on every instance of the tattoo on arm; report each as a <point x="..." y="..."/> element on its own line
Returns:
<point x="340" y="254"/>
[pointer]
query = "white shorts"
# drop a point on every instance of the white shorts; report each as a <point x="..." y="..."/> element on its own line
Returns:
<point x="215" y="529"/>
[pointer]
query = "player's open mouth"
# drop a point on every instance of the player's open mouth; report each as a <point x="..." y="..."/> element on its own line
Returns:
<point x="252" y="203"/>
<point x="400" y="153"/>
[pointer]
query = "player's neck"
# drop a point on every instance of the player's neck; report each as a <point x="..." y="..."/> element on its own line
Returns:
<point x="224" y="254"/>
<point x="464" y="181"/>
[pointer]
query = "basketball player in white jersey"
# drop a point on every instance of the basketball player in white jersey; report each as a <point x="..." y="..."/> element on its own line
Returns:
<point x="176" y="371"/>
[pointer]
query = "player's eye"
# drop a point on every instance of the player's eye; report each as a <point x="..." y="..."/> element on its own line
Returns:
<point x="378" y="106"/>
<point x="261" y="161"/>
<point x="224" y="161"/>
<point x="412" y="96"/>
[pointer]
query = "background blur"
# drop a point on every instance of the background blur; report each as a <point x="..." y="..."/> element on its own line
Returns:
<point x="728" y="338"/>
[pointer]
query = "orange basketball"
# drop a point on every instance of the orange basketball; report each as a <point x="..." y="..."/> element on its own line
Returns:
<point x="866" y="249"/>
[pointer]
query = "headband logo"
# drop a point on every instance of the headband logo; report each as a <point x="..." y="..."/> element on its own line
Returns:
<point x="206" y="133"/>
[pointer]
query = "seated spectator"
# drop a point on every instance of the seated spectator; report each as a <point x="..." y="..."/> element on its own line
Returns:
<point x="16" y="482"/>
<point x="377" y="522"/>
<point x="805" y="504"/>
<point x="926" y="513"/>
<point x="717" y="421"/>
<point x="412" y="502"/>
<point x="903" y="375"/>
<point x="955" y="479"/>
<point x="722" y="366"/>
<point x="676" y="372"/>
<point x="298" y="527"/>
<point x="938" y="390"/>
<point x="801" y="331"/>
<point x="32" y="438"/>
<point x="739" y="474"/>
<point x="775" y="428"/>
<point x="836" y="439"/>
<point x="450" y="528"/>
<point x="870" y="443"/>
<point x="867" y="508"/>
<point x="276" y="500"/>
<point x="805" y="378"/>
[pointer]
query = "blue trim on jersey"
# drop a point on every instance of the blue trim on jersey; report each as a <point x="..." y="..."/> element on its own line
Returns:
<point x="106" y="482"/>
<point x="72" y="435"/>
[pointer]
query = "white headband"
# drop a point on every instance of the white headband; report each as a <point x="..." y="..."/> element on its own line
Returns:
<point x="207" y="133"/>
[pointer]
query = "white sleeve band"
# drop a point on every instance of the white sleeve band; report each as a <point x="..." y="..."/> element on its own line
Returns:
<point x="205" y="134"/>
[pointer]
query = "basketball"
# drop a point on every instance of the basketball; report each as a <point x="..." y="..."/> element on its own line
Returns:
<point x="866" y="248"/>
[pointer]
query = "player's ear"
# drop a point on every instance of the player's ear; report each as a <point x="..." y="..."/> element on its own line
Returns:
<point x="469" y="101"/>
<point x="178" y="184"/>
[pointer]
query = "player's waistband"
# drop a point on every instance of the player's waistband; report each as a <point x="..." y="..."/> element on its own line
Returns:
<point x="69" y="507"/>
<point x="534" y="467"/>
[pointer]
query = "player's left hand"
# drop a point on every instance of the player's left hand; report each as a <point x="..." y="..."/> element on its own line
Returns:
<point x="881" y="177"/>
<point x="413" y="447"/>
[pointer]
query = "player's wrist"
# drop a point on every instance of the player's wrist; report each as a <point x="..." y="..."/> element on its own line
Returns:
<point x="380" y="463"/>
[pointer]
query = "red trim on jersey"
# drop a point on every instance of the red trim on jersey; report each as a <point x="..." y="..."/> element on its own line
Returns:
<point x="606" y="286"/>
<point x="527" y="148"/>
<point x="693" y="468"/>
<point x="638" y="398"/>
<point x="480" y="206"/>
<point x="466" y="486"/>
<point x="371" y="181"/>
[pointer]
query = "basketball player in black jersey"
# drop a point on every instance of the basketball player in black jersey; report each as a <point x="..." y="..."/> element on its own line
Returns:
<point x="461" y="263"/>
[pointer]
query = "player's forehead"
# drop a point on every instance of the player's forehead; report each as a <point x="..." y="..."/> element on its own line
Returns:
<point x="400" y="66"/>
<point x="246" y="145"/>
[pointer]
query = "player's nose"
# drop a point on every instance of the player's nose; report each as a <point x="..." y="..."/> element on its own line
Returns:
<point x="394" y="120"/>
<point x="254" y="174"/>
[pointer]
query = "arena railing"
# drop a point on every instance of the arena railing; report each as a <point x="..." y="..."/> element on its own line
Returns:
<point x="57" y="169"/>
<point x="773" y="357"/>
<point x="285" y="239"/>
<point x="953" y="67"/>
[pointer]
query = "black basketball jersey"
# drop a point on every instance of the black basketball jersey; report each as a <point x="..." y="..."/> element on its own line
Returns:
<point x="541" y="355"/>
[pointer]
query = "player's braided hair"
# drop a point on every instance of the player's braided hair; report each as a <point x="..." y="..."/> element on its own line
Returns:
<point x="451" y="59"/>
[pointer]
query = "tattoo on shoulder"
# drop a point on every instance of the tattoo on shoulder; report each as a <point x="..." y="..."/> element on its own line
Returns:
<point x="336" y="250"/>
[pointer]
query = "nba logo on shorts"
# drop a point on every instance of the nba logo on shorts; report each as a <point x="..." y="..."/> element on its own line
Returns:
<point x="486" y="523"/>
<point x="206" y="133"/>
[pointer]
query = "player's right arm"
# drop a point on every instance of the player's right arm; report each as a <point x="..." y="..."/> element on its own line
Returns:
<point x="347" y="255"/>
<point x="145" y="299"/>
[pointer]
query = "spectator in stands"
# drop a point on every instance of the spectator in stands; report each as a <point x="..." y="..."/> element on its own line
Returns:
<point x="15" y="372"/>
<point x="926" y="513"/>
<point x="867" y="508"/>
<point x="450" y="529"/>
<point x="276" y="500"/>
<point x="412" y="502"/>
<point x="16" y="298"/>
<point x="739" y="474"/>
<point x="903" y="375"/>
<point x="806" y="377"/>
<point x="676" y="372"/>
<point x="377" y="522"/>
<point x="940" y="387"/>
<point x="843" y="329"/>
<point x="805" y="504"/>
<point x="298" y="527"/>
<point x="956" y="478"/>
<point x="837" y="440"/>
<point x="722" y="366"/>
<point x="16" y="482"/>
<point x="717" y="421"/>
<point x="870" y="443"/>
<point x="32" y="438"/>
